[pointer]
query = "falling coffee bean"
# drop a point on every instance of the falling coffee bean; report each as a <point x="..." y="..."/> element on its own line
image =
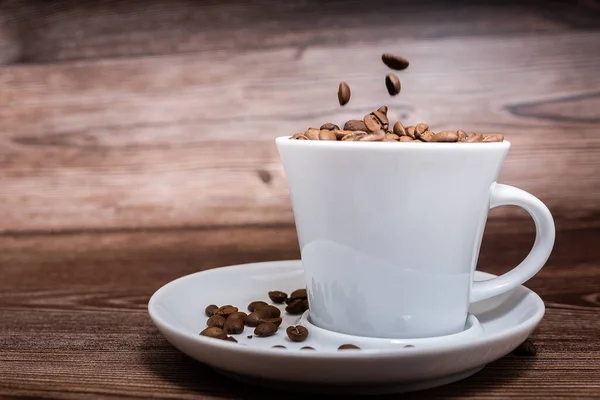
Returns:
<point x="225" y="311"/>
<point x="525" y="349"/>
<point x="256" y="305"/>
<point x="210" y="309"/>
<point x="394" y="62"/>
<point x="306" y="348"/>
<point x="277" y="296"/>
<point x="348" y="347"/>
<point x="216" y="321"/>
<point x="343" y="93"/>
<point x="234" y="326"/>
<point x="296" y="307"/>
<point x="265" y="329"/>
<point x="297" y="333"/>
<point x="392" y="83"/>
<point x="214" y="332"/>
<point x="355" y="125"/>
<point x="231" y="339"/>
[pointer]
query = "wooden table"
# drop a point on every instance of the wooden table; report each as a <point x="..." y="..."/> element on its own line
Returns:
<point x="136" y="146"/>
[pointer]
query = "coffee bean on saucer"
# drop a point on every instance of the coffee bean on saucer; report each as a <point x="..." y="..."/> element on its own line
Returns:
<point x="355" y="125"/>
<point x="225" y="311"/>
<point x="297" y="306"/>
<point x="231" y="339"/>
<point x="249" y="336"/>
<point x="340" y="133"/>
<point x="312" y="133"/>
<point x="474" y="138"/>
<point x="420" y="129"/>
<point x="383" y="109"/>
<point x="253" y="319"/>
<point x="209" y="309"/>
<point x="462" y="135"/>
<point x="265" y="329"/>
<point x="278" y="347"/>
<point x="355" y="136"/>
<point x="410" y="132"/>
<point x="394" y="62"/>
<point x="372" y="123"/>
<point x="445" y="136"/>
<point x="216" y="321"/>
<point x="256" y="305"/>
<point x="297" y="333"/>
<point x="343" y="93"/>
<point x="329" y="126"/>
<point x="277" y="321"/>
<point x="238" y="315"/>
<point x="382" y="118"/>
<point x="348" y="347"/>
<point x="391" y="137"/>
<point x="234" y="326"/>
<point x="298" y="294"/>
<point x="399" y="129"/>
<point x="525" y="349"/>
<point x="268" y="311"/>
<point x="493" y="138"/>
<point x="214" y="332"/>
<point x="392" y="83"/>
<point x="326" y="135"/>
<point x="306" y="348"/>
<point x="277" y="296"/>
<point x="406" y="139"/>
<point x="376" y="136"/>
<point x="298" y="136"/>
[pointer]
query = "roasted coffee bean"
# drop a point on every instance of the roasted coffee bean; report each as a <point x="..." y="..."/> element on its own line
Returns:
<point x="234" y="326"/>
<point x="297" y="333"/>
<point x="305" y="303"/>
<point x="209" y="309"/>
<point x="299" y="136"/>
<point x="406" y="139"/>
<point x="410" y="131"/>
<point x="298" y="294"/>
<point x="253" y="319"/>
<point x="231" y="339"/>
<point x="420" y="129"/>
<point x="391" y="137"/>
<point x="217" y="321"/>
<point x="329" y="126"/>
<point x="306" y="348"/>
<point x="353" y="137"/>
<point x="399" y="129"/>
<point x="355" y="125"/>
<point x="312" y="133"/>
<point x="214" y="332"/>
<point x="392" y="83"/>
<point x="278" y="346"/>
<point x="238" y="315"/>
<point x="474" y="138"/>
<point x="326" y="135"/>
<point x="377" y="136"/>
<point x="256" y="305"/>
<point x="394" y="62"/>
<point x="348" y="347"/>
<point x="296" y="307"/>
<point x="343" y="93"/>
<point x="340" y="134"/>
<point x="382" y="118"/>
<point x="493" y="138"/>
<point x="383" y="109"/>
<point x="277" y="296"/>
<point x="268" y="312"/>
<point x="277" y="321"/>
<point x="265" y="329"/>
<point x="372" y="123"/>
<point x="225" y="311"/>
<point x="445" y="136"/>
<point x="525" y="349"/>
<point x="426" y="136"/>
<point x="462" y="135"/>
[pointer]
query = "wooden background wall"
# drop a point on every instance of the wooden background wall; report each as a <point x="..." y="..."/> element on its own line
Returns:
<point x="126" y="115"/>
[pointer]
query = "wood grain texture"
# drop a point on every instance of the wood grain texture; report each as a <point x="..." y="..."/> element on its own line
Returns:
<point x="75" y="325"/>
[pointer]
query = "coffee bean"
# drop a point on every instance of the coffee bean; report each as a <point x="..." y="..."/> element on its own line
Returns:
<point x="278" y="346"/>
<point x="420" y="129"/>
<point x="234" y="326"/>
<point x="383" y="109"/>
<point x="299" y="136"/>
<point x="445" y="136"/>
<point x="382" y="118"/>
<point x="399" y="129"/>
<point x="377" y="136"/>
<point x="277" y="296"/>
<point x="392" y="83"/>
<point x="297" y="333"/>
<point x="406" y="139"/>
<point x="209" y="310"/>
<point x="394" y="62"/>
<point x="298" y="294"/>
<point x="348" y="347"/>
<point x="426" y="136"/>
<point x="312" y="133"/>
<point x="238" y="315"/>
<point x="355" y="136"/>
<point x="265" y="329"/>
<point x="329" y="126"/>
<point x="326" y="135"/>
<point x="474" y="138"/>
<point x="217" y="321"/>
<point x="391" y="137"/>
<point x="214" y="332"/>
<point x="225" y="311"/>
<point x="277" y="321"/>
<point x="355" y="125"/>
<point x="256" y="305"/>
<point x="249" y="336"/>
<point x="306" y="348"/>
<point x="296" y="307"/>
<point x="493" y="138"/>
<point x="231" y="339"/>
<point x="410" y="131"/>
<point x="268" y="312"/>
<point x="253" y="319"/>
<point x="525" y="349"/>
<point x="340" y="134"/>
<point x="372" y="123"/>
<point x="462" y="135"/>
<point x="343" y="93"/>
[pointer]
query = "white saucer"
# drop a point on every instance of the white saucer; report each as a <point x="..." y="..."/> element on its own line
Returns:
<point x="496" y="327"/>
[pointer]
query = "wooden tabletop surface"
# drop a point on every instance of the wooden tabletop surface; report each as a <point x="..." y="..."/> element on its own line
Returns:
<point x="136" y="146"/>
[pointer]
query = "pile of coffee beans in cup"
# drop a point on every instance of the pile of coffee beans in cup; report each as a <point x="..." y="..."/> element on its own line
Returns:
<point x="376" y="127"/>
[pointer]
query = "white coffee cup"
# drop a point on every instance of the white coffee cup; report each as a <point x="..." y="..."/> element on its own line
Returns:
<point x="390" y="233"/>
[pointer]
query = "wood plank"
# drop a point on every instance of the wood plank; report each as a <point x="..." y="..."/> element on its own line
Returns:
<point x="186" y="140"/>
<point x="42" y="32"/>
<point x="83" y="331"/>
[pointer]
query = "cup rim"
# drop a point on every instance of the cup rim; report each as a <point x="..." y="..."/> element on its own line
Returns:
<point x="371" y="145"/>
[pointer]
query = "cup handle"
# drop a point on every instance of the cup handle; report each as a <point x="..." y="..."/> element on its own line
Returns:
<point x="542" y="247"/>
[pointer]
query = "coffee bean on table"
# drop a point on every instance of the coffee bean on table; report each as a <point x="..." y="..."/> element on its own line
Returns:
<point x="265" y="329"/>
<point x="214" y="332"/>
<point x="210" y="309"/>
<point x="327" y="135"/>
<point x="525" y="349"/>
<point x="296" y="307"/>
<point x="225" y="311"/>
<point x="394" y="62"/>
<point x="256" y="305"/>
<point x="348" y="347"/>
<point x="343" y="93"/>
<point x="493" y="138"/>
<point x="234" y="326"/>
<point x="231" y="339"/>
<point x="277" y="296"/>
<point x="217" y="321"/>
<point x="392" y="83"/>
<point x="297" y="333"/>
<point x="462" y="135"/>
<point x="353" y="137"/>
